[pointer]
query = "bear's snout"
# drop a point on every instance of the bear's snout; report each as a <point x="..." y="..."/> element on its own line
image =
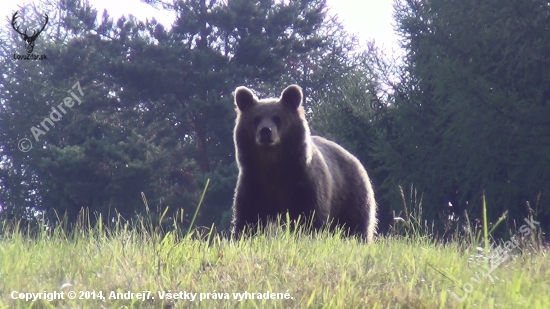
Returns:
<point x="266" y="133"/>
<point x="265" y="136"/>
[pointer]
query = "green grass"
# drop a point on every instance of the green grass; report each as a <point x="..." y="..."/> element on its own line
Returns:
<point x="322" y="271"/>
<point x="317" y="272"/>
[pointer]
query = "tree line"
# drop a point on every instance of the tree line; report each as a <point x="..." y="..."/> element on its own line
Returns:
<point x="462" y="114"/>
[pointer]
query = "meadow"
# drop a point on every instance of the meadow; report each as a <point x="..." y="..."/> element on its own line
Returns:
<point x="133" y="265"/>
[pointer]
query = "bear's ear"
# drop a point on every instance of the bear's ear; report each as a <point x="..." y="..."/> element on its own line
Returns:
<point x="292" y="96"/>
<point x="244" y="98"/>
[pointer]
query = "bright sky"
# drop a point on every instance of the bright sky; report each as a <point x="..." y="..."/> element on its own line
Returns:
<point x="369" y="19"/>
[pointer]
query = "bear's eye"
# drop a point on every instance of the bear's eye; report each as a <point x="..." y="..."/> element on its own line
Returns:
<point x="277" y="120"/>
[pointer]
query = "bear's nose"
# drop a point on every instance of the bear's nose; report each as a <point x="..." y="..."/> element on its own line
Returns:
<point x="265" y="136"/>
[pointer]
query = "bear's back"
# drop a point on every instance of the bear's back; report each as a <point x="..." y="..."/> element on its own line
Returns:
<point x="349" y="178"/>
<point x="337" y="158"/>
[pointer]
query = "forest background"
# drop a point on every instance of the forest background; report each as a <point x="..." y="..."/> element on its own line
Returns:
<point x="463" y="112"/>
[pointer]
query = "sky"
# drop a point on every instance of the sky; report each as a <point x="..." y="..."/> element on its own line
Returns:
<point x="369" y="19"/>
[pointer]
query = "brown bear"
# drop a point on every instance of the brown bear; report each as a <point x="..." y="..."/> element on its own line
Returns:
<point x="283" y="168"/>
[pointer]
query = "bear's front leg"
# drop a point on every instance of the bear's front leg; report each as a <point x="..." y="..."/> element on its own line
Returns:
<point x="245" y="210"/>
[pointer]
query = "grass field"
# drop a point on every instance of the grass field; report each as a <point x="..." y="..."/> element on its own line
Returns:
<point x="277" y="269"/>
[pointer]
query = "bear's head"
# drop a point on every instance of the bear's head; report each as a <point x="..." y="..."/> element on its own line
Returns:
<point x="270" y="126"/>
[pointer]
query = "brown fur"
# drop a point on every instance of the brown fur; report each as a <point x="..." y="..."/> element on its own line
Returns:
<point x="283" y="168"/>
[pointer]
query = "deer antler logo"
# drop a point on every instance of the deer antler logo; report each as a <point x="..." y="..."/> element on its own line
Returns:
<point x="29" y="40"/>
